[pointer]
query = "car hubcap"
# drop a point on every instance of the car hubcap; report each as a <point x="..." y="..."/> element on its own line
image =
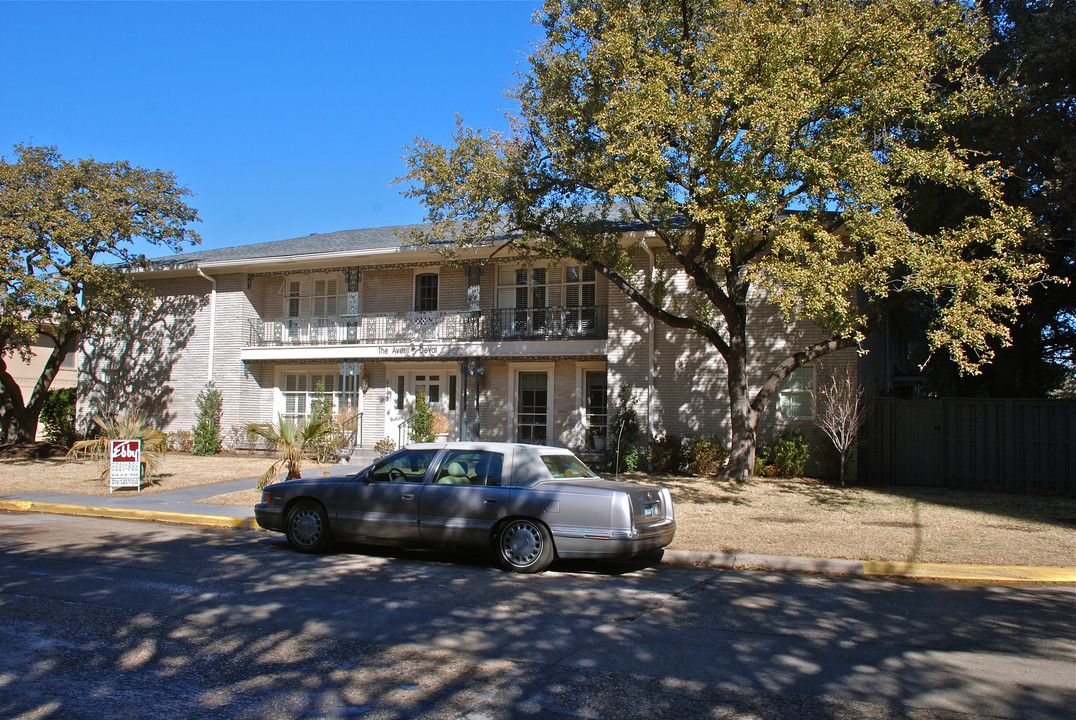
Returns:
<point x="522" y="544"/>
<point x="307" y="527"/>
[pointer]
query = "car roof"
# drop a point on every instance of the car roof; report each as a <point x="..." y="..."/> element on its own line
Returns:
<point x="491" y="447"/>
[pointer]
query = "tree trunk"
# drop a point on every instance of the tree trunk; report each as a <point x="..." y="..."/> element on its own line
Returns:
<point x="18" y="424"/>
<point x="744" y="423"/>
<point x="21" y="418"/>
<point x="743" y="415"/>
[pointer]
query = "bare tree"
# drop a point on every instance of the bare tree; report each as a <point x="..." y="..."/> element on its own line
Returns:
<point x="841" y="408"/>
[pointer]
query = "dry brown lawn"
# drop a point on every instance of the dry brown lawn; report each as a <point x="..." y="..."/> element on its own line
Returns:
<point x="797" y="517"/>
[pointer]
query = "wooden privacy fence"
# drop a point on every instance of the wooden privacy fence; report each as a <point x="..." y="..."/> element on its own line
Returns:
<point x="989" y="444"/>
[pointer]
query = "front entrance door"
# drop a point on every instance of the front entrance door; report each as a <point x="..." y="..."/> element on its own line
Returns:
<point x="440" y="385"/>
<point x="532" y="419"/>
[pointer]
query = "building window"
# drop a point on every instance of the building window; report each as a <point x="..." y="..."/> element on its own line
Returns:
<point x="532" y="408"/>
<point x="303" y="391"/>
<point x="426" y="292"/>
<point x="580" y="298"/>
<point x="430" y="386"/>
<point x="522" y="287"/>
<point x="294" y="298"/>
<point x="580" y="288"/>
<point x="597" y="408"/>
<point x="325" y="294"/>
<point x="313" y="295"/>
<point x="795" y="399"/>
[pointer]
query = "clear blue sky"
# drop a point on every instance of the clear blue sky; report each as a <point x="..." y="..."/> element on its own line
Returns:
<point x="285" y="118"/>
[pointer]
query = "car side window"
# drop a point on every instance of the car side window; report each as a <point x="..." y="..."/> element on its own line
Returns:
<point x="566" y="466"/>
<point x="405" y="466"/>
<point x="470" y="467"/>
<point x="494" y="468"/>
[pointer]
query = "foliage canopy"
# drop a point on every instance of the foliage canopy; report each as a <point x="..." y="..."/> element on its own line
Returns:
<point x="766" y="146"/>
<point x="63" y="226"/>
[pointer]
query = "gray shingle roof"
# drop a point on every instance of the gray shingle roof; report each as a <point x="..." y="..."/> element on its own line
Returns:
<point x="343" y="241"/>
<point x="366" y="240"/>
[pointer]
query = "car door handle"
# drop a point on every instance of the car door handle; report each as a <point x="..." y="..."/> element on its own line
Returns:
<point x="490" y="501"/>
<point x="408" y="496"/>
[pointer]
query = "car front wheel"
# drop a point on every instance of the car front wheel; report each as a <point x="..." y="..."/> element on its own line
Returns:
<point x="525" y="546"/>
<point x="307" y="528"/>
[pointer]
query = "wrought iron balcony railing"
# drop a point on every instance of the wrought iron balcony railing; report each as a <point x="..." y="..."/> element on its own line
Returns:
<point x="551" y="323"/>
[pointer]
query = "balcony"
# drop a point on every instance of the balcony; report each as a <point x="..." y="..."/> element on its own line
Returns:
<point x="550" y="323"/>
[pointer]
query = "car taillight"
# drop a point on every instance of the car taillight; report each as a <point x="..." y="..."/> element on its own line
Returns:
<point x="666" y="501"/>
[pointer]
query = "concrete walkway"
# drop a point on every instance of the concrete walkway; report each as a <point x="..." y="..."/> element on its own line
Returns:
<point x="182" y="506"/>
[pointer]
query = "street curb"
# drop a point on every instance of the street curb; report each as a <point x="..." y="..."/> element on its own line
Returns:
<point x="866" y="568"/>
<point x="1008" y="573"/>
<point x="125" y="513"/>
<point x="937" y="571"/>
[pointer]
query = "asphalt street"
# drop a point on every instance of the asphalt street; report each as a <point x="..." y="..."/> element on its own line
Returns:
<point x="110" y="618"/>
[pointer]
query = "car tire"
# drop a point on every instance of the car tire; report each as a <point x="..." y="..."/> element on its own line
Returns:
<point x="307" y="528"/>
<point x="525" y="546"/>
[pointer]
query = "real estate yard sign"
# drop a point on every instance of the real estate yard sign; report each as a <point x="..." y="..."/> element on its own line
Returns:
<point x="126" y="464"/>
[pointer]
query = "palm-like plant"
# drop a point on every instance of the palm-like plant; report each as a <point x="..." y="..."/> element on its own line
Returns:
<point x="293" y="441"/>
<point x="127" y="427"/>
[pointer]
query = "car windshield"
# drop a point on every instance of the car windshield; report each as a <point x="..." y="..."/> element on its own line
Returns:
<point x="566" y="466"/>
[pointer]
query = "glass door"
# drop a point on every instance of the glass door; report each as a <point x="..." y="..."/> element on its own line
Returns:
<point x="440" y="389"/>
<point x="532" y="409"/>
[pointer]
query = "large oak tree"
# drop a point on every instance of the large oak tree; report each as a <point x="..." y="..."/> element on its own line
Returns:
<point x="64" y="225"/>
<point x="1034" y="135"/>
<point x="769" y="144"/>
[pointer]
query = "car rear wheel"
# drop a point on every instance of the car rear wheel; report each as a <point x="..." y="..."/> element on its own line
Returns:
<point x="525" y="546"/>
<point x="307" y="528"/>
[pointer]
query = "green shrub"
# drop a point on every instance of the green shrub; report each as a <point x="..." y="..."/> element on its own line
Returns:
<point x="325" y="448"/>
<point x="58" y="416"/>
<point x="667" y="454"/>
<point x="207" y="430"/>
<point x="422" y="419"/>
<point x="787" y="457"/>
<point x="706" y="455"/>
<point x="763" y="468"/>
<point x="790" y="454"/>
<point x="623" y="435"/>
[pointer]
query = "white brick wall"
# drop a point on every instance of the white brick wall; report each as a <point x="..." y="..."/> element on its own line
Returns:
<point x="689" y="380"/>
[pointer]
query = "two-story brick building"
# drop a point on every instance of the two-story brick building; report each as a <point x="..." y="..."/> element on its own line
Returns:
<point x="506" y="350"/>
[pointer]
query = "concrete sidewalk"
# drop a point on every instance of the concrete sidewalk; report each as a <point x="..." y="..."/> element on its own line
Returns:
<point x="182" y="506"/>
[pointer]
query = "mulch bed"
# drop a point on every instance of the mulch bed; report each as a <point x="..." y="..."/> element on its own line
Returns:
<point x="31" y="451"/>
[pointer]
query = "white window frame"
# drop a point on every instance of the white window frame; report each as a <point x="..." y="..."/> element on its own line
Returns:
<point x="300" y="300"/>
<point x="556" y="285"/>
<point x="414" y="287"/>
<point x="581" y="392"/>
<point x="514" y="369"/>
<point x="306" y="389"/>
<point x="794" y="395"/>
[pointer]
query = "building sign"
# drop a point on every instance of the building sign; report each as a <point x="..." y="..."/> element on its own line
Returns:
<point x="125" y="469"/>
<point x="413" y="350"/>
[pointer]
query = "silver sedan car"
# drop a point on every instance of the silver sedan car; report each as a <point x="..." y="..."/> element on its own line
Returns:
<point x="530" y="504"/>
